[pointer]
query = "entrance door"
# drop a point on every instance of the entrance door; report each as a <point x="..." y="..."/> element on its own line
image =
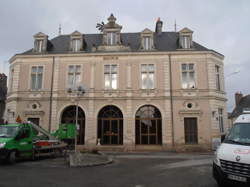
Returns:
<point x="191" y="131"/>
<point x="110" y="133"/>
<point x="148" y="128"/>
<point x="69" y="116"/>
<point x="110" y="126"/>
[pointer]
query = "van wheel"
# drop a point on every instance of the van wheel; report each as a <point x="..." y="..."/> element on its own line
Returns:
<point x="12" y="157"/>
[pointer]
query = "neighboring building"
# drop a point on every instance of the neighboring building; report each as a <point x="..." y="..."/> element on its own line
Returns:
<point x="241" y="103"/>
<point x="3" y="92"/>
<point x="145" y="90"/>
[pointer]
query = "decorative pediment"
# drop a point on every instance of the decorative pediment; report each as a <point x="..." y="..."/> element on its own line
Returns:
<point x="147" y="31"/>
<point x="186" y="30"/>
<point x="76" y="33"/>
<point x="40" y="35"/>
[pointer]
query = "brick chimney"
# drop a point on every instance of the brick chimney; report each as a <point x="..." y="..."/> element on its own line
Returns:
<point x="238" y="96"/>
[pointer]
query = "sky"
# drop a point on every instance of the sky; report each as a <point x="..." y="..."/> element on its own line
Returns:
<point x="221" y="25"/>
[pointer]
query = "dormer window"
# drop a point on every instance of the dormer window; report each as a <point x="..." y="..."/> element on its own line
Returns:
<point x="76" y="41"/>
<point x="185" y="38"/>
<point x="76" y="45"/>
<point x="147" y="40"/>
<point x="111" y="38"/>
<point x="186" y="42"/>
<point x="146" y="43"/>
<point x="40" y="44"/>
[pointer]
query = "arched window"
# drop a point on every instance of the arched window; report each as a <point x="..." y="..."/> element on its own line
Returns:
<point x="110" y="126"/>
<point x="148" y="125"/>
<point x="69" y="116"/>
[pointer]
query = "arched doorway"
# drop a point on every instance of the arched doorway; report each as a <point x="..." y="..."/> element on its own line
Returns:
<point x="110" y="126"/>
<point x="69" y="116"/>
<point x="148" y="125"/>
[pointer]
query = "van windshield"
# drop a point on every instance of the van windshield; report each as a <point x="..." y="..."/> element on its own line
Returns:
<point x="8" y="131"/>
<point x="239" y="134"/>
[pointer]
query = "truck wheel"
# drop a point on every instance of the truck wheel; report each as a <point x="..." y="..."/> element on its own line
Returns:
<point x="12" y="157"/>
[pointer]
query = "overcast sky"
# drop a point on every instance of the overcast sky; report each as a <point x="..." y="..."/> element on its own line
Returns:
<point x="222" y="25"/>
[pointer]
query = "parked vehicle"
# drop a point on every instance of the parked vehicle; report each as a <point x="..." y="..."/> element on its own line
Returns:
<point x="66" y="133"/>
<point x="232" y="158"/>
<point x="27" y="140"/>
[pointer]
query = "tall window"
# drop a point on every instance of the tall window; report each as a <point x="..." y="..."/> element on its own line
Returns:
<point x="39" y="45"/>
<point x="221" y="124"/>
<point x="147" y="43"/>
<point x="186" y="42"/>
<point x="147" y="76"/>
<point x="36" y="77"/>
<point x="188" y="80"/>
<point x="217" y="75"/>
<point x="74" y="74"/>
<point x="76" y="45"/>
<point x="110" y="76"/>
<point x="111" y="38"/>
<point x="11" y="79"/>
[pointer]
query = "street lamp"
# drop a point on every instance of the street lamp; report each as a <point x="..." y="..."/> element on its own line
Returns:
<point x="78" y="90"/>
<point x="233" y="73"/>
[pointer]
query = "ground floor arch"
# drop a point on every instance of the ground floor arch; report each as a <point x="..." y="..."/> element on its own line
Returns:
<point x="110" y="126"/>
<point x="69" y="116"/>
<point x="148" y="126"/>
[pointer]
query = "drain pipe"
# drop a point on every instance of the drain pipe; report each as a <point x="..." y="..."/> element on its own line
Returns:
<point x="51" y="93"/>
<point x="171" y="98"/>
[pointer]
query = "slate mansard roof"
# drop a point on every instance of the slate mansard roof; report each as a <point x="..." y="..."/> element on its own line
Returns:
<point x="166" y="41"/>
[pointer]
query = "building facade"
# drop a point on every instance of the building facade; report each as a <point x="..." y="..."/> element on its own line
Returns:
<point x="145" y="90"/>
<point x="3" y="93"/>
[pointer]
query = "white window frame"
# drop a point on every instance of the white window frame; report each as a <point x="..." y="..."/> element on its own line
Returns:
<point x="111" y="36"/>
<point x="221" y="120"/>
<point x="147" y="74"/>
<point x="74" y="75"/>
<point x="217" y="77"/>
<point x="39" y="45"/>
<point x="110" y="78"/>
<point x="147" y="43"/>
<point x="186" y="42"/>
<point x="36" y="74"/>
<point x="75" y="46"/>
<point x="188" y="76"/>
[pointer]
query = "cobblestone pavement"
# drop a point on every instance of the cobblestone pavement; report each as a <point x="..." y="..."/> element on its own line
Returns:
<point x="127" y="170"/>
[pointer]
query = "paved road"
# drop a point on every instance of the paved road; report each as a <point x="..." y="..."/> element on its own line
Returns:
<point x="128" y="170"/>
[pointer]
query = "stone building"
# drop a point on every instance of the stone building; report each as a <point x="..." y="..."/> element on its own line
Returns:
<point x="3" y="92"/>
<point x="242" y="103"/>
<point x="151" y="90"/>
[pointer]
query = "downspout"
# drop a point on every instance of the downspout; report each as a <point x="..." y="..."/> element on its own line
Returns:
<point x="51" y="93"/>
<point x="171" y="99"/>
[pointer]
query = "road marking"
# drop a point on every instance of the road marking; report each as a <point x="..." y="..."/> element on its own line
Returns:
<point x="186" y="163"/>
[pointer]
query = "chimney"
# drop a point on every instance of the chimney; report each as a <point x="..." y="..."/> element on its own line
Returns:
<point x="238" y="96"/>
<point x="158" y="26"/>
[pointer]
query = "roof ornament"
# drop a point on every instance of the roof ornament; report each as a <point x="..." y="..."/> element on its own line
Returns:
<point x="111" y="18"/>
<point x="100" y="26"/>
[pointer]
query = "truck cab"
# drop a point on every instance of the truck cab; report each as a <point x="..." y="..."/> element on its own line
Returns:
<point x="16" y="140"/>
<point x="231" y="164"/>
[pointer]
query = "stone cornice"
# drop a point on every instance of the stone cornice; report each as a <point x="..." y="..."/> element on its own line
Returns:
<point x="100" y="54"/>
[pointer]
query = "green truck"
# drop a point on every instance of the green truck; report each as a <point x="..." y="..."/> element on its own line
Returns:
<point x="27" y="140"/>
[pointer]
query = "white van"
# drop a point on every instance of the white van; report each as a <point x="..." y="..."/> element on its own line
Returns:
<point x="232" y="158"/>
